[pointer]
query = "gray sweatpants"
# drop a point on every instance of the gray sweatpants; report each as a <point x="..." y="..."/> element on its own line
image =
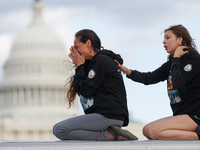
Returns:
<point x="85" y="127"/>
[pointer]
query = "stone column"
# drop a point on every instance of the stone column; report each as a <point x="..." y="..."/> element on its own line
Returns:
<point x="15" y="97"/>
<point x="36" y="96"/>
<point x="28" y="97"/>
<point x="57" y="97"/>
<point x="1" y="99"/>
<point x="21" y="97"/>
<point x="50" y="96"/>
<point x="43" y="96"/>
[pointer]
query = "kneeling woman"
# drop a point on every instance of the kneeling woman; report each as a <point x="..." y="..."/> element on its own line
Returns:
<point x="98" y="81"/>
<point x="182" y="71"/>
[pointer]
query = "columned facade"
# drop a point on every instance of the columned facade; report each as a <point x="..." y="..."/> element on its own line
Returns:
<point x="32" y="94"/>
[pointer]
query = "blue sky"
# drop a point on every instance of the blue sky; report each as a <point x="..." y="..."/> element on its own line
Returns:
<point x="132" y="28"/>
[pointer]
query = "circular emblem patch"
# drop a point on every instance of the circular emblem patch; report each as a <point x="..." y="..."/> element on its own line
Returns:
<point x="91" y="74"/>
<point x="188" y="67"/>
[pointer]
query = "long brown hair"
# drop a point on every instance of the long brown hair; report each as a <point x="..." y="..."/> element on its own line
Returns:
<point x="83" y="36"/>
<point x="181" y="31"/>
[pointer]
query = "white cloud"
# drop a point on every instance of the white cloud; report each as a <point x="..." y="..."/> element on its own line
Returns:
<point x="14" y="21"/>
<point x="57" y="15"/>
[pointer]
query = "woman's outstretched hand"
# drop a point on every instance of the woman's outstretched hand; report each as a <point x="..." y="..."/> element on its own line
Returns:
<point x="76" y="57"/>
<point x="123" y="68"/>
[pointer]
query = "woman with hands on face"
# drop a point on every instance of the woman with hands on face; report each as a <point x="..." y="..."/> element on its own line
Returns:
<point x="98" y="82"/>
<point x="182" y="72"/>
<point x="76" y="57"/>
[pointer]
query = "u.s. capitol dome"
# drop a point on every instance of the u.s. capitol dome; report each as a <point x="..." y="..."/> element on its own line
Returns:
<point x="32" y="94"/>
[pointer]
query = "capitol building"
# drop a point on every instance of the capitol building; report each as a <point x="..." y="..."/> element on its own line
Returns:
<point x="32" y="93"/>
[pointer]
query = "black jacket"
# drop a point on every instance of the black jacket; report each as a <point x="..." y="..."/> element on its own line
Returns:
<point x="101" y="88"/>
<point x="183" y="75"/>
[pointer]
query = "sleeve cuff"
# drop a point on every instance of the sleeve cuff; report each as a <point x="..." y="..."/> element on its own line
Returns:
<point x="131" y="75"/>
<point x="176" y="60"/>
<point x="79" y="67"/>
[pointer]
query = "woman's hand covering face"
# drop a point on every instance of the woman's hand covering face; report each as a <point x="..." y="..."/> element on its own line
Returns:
<point x="76" y="57"/>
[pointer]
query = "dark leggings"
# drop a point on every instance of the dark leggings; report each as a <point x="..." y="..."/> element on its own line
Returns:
<point x="92" y="127"/>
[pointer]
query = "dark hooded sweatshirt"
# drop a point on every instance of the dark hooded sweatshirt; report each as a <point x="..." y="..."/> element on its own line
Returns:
<point x="183" y="76"/>
<point x="100" y="86"/>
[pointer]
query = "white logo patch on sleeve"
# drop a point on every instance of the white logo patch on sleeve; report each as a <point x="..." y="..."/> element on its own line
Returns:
<point x="91" y="74"/>
<point x="188" y="67"/>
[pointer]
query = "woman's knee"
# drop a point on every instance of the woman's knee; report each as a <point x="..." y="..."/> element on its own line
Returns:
<point x="56" y="131"/>
<point x="147" y="131"/>
<point x="144" y="130"/>
<point x="150" y="132"/>
<point x="60" y="132"/>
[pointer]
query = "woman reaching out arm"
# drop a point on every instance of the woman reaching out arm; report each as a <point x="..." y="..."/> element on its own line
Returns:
<point x="182" y="72"/>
